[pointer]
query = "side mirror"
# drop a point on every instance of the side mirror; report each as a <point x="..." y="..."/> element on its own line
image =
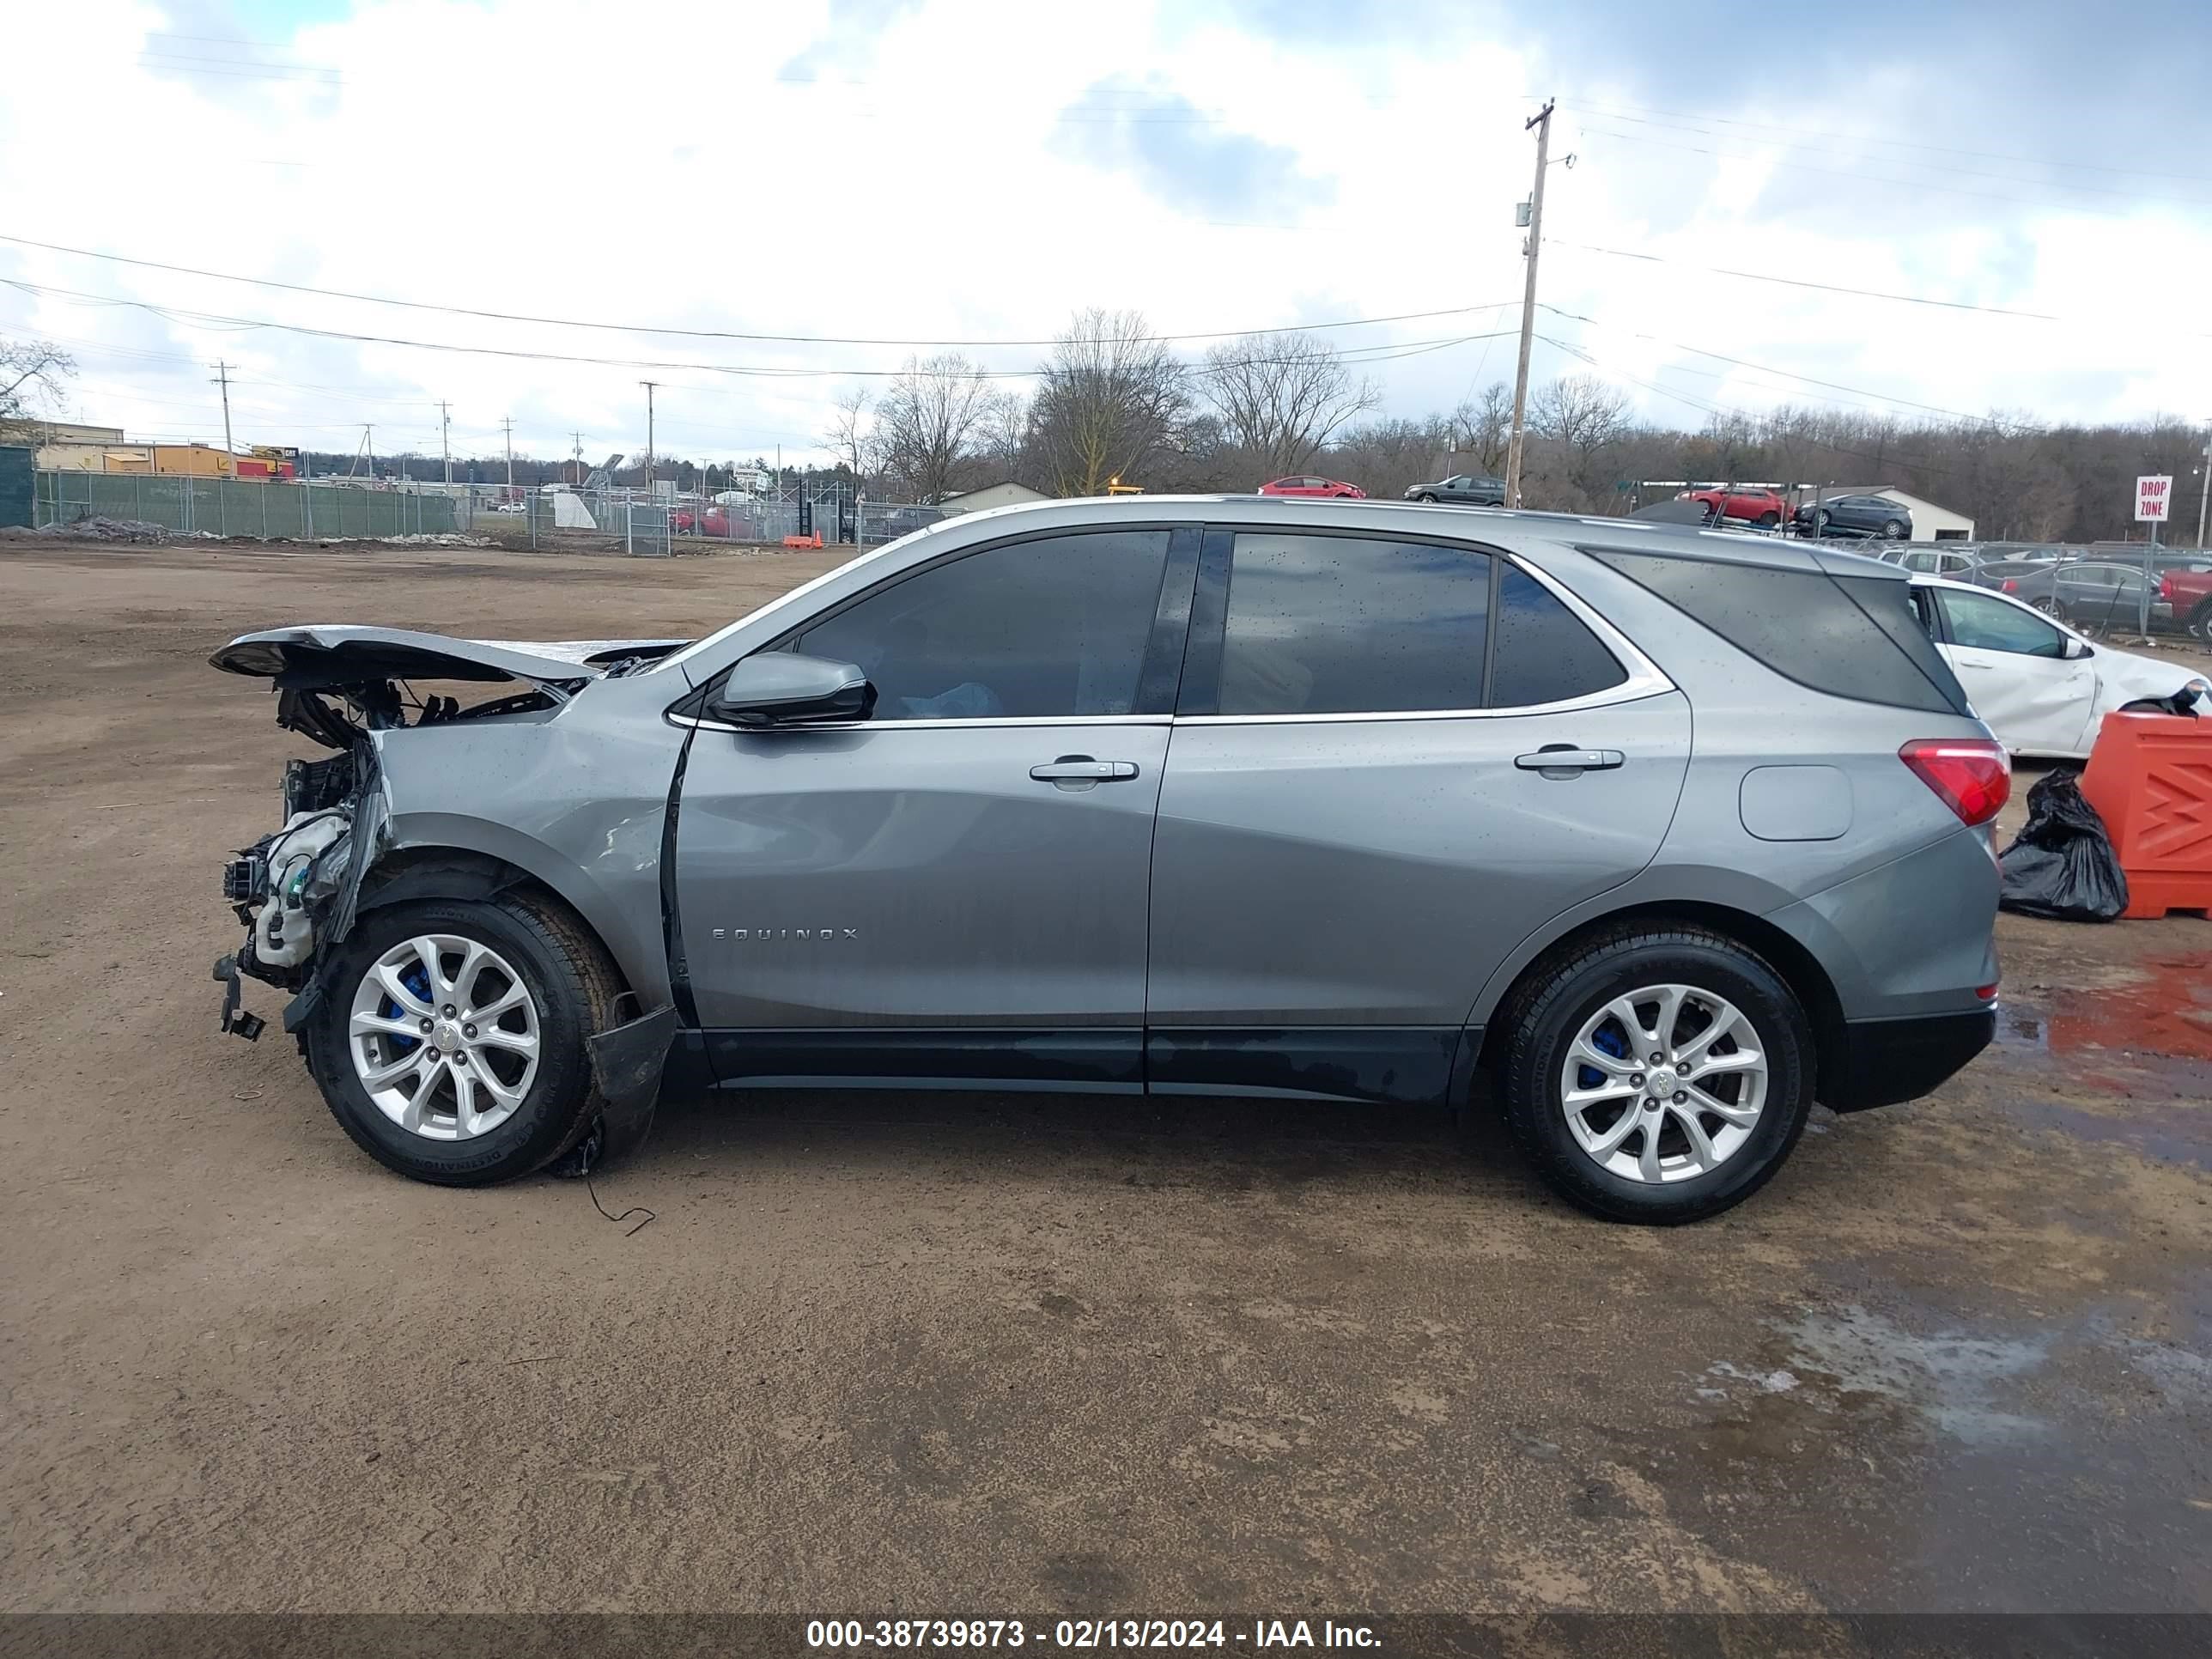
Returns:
<point x="781" y="688"/>
<point x="2077" y="649"/>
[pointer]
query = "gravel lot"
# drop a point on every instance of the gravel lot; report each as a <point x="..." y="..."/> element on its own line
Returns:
<point x="976" y="1354"/>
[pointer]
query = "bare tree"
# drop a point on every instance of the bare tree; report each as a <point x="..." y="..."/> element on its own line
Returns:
<point x="850" y="436"/>
<point x="1112" y="398"/>
<point x="31" y="376"/>
<point x="1483" y="426"/>
<point x="1578" y="417"/>
<point x="928" y="421"/>
<point x="1281" y="397"/>
<point x="1001" y="436"/>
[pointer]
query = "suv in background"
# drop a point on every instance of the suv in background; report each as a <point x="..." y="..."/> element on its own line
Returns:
<point x="1753" y="504"/>
<point x="1665" y="835"/>
<point x="1464" y="489"/>
<point x="1855" y="515"/>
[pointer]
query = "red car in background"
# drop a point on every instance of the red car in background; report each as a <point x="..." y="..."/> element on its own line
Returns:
<point x="1750" y="502"/>
<point x="1335" y="487"/>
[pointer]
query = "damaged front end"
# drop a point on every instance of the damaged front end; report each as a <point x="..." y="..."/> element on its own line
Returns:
<point x="297" y="890"/>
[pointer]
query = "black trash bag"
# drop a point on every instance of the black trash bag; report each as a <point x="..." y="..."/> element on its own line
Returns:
<point x="2063" y="865"/>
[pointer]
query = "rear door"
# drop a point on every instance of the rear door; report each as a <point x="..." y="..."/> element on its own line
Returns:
<point x="1393" y="760"/>
<point x="2014" y="666"/>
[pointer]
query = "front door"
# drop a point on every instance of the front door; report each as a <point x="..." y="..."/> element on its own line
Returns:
<point x="955" y="888"/>
<point x="2016" y="673"/>
<point x="1393" y="761"/>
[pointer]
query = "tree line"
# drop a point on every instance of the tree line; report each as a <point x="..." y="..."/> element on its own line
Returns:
<point x="1113" y="402"/>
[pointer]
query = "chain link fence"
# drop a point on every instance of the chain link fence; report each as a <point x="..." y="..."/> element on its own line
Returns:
<point x="655" y="527"/>
<point x="229" y="507"/>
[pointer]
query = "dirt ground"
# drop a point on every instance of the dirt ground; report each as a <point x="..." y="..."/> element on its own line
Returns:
<point x="957" y="1353"/>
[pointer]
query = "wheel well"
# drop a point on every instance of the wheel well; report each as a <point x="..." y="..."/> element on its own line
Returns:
<point x="448" y="872"/>
<point x="1798" y="967"/>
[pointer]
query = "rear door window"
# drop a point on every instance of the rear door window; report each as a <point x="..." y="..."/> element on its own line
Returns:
<point x="1541" y="651"/>
<point x="1316" y="625"/>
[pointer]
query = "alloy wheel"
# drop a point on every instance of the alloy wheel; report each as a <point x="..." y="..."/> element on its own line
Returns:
<point x="444" y="1037"/>
<point x="1664" y="1084"/>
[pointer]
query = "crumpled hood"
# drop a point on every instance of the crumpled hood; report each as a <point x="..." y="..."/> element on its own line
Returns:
<point x="333" y="654"/>
<point x="2125" y="674"/>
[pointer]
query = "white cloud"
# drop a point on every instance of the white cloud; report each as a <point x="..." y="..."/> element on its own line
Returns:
<point x="935" y="179"/>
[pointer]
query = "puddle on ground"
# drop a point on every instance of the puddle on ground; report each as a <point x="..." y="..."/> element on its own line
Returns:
<point x="2168" y="1135"/>
<point x="2167" y="1012"/>
<point x="1951" y="1380"/>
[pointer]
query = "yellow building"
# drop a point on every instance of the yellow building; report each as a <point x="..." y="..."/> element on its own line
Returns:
<point x="174" y="460"/>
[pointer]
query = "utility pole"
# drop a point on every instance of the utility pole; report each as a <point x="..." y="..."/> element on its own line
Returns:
<point x="577" y="439"/>
<point x="649" y="385"/>
<point x="509" y="424"/>
<point x="1542" y="122"/>
<point x="222" y="380"/>
<point x="2204" y="495"/>
<point x="445" y="438"/>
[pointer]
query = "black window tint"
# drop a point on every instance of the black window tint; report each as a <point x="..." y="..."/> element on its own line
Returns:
<point x="1340" y="624"/>
<point x="1051" y="628"/>
<point x="1849" y="636"/>
<point x="1543" y="652"/>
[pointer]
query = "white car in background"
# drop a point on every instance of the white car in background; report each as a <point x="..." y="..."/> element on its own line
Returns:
<point x="2039" y="686"/>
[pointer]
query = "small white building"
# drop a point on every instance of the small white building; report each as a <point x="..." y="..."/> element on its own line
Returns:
<point x="1007" y="494"/>
<point x="1930" y="522"/>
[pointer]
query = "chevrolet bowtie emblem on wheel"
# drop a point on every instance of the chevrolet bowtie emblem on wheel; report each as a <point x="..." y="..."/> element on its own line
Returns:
<point x="765" y="935"/>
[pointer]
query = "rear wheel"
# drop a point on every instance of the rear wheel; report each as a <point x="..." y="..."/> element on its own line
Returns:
<point x="450" y="1043"/>
<point x="2200" y="622"/>
<point x="2049" y="607"/>
<point x="1657" y="1075"/>
<point x="1894" y="530"/>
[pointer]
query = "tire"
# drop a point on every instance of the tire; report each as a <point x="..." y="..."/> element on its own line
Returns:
<point x="2050" y="607"/>
<point x="1893" y="530"/>
<point x="571" y="987"/>
<point x="1821" y="520"/>
<point x="2200" y="623"/>
<point x="1426" y="497"/>
<point x="1769" y="520"/>
<point x="1558" y="1003"/>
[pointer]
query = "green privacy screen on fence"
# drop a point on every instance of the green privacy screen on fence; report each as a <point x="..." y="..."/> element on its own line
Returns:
<point x="15" y="484"/>
<point x="224" y="506"/>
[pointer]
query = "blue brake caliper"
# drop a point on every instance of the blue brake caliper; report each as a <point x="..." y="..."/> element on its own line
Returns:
<point x="1615" y="1044"/>
<point x="419" y="982"/>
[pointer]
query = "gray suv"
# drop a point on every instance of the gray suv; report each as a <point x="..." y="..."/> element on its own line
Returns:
<point x="1650" y="835"/>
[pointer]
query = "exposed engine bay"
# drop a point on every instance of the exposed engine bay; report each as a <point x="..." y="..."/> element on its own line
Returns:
<point x="296" y="890"/>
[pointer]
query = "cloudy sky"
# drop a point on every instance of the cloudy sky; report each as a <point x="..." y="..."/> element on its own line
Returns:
<point x="870" y="173"/>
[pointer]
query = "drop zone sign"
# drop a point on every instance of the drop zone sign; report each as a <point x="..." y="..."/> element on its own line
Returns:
<point x="2152" y="494"/>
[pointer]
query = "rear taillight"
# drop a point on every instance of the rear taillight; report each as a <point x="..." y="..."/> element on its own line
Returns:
<point x="2165" y="588"/>
<point x="2011" y="586"/>
<point x="1970" y="774"/>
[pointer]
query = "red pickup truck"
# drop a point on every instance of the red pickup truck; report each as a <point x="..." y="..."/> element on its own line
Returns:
<point x="2190" y="594"/>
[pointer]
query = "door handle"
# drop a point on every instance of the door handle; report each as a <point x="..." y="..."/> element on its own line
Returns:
<point x="1561" y="759"/>
<point x="1081" y="768"/>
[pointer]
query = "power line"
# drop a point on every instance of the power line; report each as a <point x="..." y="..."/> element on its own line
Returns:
<point x="1832" y="287"/>
<point x="1789" y="374"/>
<point x="714" y="333"/>
<point x="1870" y="177"/>
<point x="189" y="317"/>
<point x="1621" y="114"/>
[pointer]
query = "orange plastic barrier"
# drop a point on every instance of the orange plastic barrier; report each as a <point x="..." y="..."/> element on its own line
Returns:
<point x="2150" y="779"/>
<point x="802" y="541"/>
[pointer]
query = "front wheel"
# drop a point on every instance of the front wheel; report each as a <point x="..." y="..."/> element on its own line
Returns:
<point x="2200" y="622"/>
<point x="1894" y="530"/>
<point x="1425" y="497"/>
<point x="1657" y="1075"/>
<point x="450" y="1043"/>
<point x="1768" y="520"/>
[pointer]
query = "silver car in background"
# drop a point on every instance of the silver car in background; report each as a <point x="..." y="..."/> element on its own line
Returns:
<point x="1650" y="835"/>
